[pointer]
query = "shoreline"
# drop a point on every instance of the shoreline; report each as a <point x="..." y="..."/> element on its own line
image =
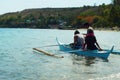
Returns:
<point x="100" y="29"/>
<point x="107" y="29"/>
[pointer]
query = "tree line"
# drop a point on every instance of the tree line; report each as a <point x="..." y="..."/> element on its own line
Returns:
<point x="102" y="16"/>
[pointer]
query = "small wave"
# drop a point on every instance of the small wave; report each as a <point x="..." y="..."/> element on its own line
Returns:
<point x="109" y="77"/>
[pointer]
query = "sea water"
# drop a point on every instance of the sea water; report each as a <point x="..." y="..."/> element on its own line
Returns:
<point x="18" y="61"/>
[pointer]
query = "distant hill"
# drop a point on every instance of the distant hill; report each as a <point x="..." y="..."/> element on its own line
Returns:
<point x="65" y="18"/>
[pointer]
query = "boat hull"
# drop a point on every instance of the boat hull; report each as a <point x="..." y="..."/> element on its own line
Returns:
<point x="89" y="53"/>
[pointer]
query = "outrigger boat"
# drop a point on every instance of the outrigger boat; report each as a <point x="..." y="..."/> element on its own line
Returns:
<point x="89" y="53"/>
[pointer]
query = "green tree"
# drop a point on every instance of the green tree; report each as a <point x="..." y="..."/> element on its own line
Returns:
<point x="116" y="2"/>
<point x="114" y="16"/>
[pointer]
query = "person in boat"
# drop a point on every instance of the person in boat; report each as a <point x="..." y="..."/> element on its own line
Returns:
<point x="86" y="26"/>
<point x="90" y="41"/>
<point x="78" y="40"/>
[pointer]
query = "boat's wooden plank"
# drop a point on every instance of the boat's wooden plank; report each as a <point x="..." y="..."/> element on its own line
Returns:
<point x="47" y="53"/>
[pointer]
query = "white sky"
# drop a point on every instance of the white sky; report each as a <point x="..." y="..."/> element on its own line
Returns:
<point x="19" y="5"/>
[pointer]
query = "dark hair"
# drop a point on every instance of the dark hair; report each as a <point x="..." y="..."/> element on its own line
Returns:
<point x="86" y="25"/>
<point x="89" y="31"/>
<point x="76" y="32"/>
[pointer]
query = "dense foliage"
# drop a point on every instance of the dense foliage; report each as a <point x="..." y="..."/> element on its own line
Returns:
<point x="102" y="16"/>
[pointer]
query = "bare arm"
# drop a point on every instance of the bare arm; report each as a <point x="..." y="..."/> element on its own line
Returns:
<point x="75" y="40"/>
<point x="84" y="46"/>
<point x="98" y="46"/>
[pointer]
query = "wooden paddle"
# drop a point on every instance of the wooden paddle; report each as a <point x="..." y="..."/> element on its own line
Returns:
<point x="47" y="53"/>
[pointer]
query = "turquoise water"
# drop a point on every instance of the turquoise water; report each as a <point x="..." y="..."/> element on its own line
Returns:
<point x="18" y="61"/>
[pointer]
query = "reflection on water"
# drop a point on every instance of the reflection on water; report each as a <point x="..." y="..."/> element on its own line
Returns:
<point x="87" y="61"/>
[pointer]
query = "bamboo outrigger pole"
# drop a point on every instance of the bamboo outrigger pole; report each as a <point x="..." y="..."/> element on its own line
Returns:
<point x="47" y="53"/>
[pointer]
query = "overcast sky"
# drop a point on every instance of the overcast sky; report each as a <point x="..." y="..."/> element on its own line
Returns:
<point x="19" y="5"/>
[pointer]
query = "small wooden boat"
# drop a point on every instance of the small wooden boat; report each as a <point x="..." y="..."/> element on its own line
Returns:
<point x="89" y="53"/>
